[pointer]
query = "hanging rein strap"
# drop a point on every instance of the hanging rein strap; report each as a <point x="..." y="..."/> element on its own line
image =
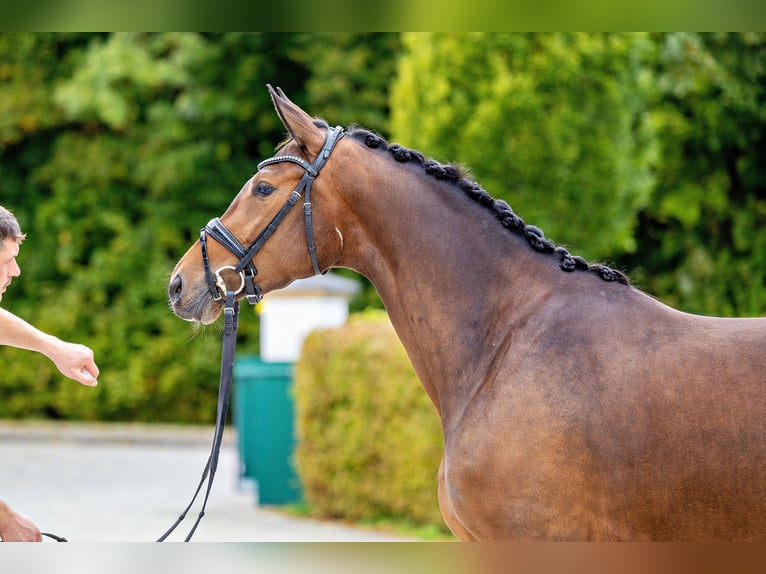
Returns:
<point x="231" y="320"/>
<point x="54" y="537"/>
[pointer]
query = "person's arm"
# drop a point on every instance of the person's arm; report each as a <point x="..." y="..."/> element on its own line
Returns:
<point x="17" y="528"/>
<point x="73" y="360"/>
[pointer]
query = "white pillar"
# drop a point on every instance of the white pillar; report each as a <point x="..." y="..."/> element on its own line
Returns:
<point x="288" y="315"/>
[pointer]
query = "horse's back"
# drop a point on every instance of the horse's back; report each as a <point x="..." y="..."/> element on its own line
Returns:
<point x="688" y="453"/>
<point x="676" y="425"/>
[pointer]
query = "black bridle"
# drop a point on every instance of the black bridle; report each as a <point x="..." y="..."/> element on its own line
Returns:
<point x="246" y="268"/>
<point x="247" y="271"/>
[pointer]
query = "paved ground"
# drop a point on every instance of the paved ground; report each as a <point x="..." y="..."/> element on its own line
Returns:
<point x="129" y="483"/>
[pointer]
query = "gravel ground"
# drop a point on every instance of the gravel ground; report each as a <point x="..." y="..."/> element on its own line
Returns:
<point x="129" y="483"/>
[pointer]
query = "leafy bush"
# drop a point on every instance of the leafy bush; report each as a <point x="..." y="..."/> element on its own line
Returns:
<point x="369" y="438"/>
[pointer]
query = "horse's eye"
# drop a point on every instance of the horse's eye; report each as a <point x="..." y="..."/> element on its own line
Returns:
<point x="263" y="188"/>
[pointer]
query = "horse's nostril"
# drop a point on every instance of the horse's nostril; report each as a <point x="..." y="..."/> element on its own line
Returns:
<point x="176" y="288"/>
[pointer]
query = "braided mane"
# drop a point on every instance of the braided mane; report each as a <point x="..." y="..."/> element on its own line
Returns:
<point x="502" y="211"/>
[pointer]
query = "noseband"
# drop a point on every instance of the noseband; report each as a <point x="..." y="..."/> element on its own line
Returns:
<point x="246" y="268"/>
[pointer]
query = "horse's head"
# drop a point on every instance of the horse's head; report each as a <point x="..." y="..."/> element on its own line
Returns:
<point x="261" y="243"/>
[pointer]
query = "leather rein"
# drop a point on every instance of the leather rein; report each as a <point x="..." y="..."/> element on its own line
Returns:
<point x="227" y="297"/>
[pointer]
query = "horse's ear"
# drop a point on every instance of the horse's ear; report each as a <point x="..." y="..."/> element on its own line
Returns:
<point x="299" y="124"/>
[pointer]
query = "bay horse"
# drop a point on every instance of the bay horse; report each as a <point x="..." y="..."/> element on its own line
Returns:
<point x="573" y="405"/>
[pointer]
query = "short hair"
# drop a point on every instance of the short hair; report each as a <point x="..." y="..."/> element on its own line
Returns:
<point x="9" y="227"/>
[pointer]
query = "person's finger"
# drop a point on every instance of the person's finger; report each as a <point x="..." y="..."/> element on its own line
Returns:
<point x="87" y="378"/>
<point x="93" y="369"/>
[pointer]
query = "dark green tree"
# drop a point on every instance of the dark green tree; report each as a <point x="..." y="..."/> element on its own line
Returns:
<point x="702" y="238"/>
<point x="116" y="149"/>
<point x="350" y="76"/>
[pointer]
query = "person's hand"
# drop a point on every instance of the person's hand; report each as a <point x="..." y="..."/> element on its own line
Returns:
<point x="15" y="527"/>
<point x="74" y="361"/>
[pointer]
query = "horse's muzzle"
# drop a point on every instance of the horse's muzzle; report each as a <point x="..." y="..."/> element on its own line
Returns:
<point x="190" y="302"/>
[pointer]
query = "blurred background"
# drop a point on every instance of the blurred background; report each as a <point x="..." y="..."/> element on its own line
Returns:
<point x="645" y="151"/>
<point x="641" y="150"/>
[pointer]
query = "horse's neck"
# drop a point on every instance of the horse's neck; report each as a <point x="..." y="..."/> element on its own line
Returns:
<point x="453" y="280"/>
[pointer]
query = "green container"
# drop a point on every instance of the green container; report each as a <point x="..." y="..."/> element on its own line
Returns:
<point x="264" y="416"/>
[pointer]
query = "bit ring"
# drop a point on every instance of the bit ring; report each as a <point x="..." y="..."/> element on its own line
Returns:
<point x="221" y="284"/>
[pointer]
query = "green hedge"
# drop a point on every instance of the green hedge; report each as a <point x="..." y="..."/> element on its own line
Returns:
<point x="369" y="438"/>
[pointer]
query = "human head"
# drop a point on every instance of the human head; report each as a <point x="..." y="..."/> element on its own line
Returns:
<point x="9" y="227"/>
<point x="10" y="239"/>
